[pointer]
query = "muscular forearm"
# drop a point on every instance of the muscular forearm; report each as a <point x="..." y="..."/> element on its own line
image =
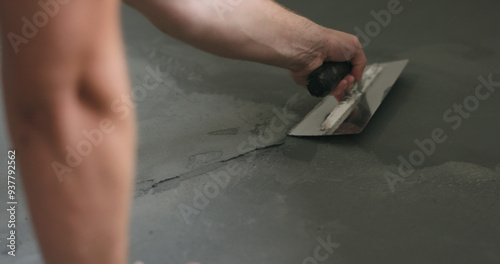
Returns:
<point x="256" y="30"/>
<point x="57" y="86"/>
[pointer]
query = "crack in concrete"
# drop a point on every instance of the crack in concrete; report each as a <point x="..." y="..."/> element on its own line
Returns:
<point x="172" y="182"/>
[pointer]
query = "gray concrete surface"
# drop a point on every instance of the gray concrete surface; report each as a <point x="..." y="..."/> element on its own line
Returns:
<point x="205" y="194"/>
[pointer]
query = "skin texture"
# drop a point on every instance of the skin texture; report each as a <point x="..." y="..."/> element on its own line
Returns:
<point x="64" y="80"/>
<point x="57" y="85"/>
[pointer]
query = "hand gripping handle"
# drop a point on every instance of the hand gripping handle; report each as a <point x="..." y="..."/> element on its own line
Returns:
<point x="324" y="79"/>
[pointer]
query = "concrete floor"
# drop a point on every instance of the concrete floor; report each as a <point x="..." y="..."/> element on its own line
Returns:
<point x="227" y="190"/>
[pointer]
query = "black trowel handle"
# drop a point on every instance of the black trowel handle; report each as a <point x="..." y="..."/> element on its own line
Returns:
<point x="324" y="79"/>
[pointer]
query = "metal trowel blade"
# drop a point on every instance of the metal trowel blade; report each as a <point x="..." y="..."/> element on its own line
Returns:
<point x="353" y="115"/>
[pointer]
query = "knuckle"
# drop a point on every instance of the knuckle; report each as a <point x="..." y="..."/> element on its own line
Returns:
<point x="356" y="44"/>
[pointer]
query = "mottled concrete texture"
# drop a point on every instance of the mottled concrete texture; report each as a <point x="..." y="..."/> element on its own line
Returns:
<point x="205" y="194"/>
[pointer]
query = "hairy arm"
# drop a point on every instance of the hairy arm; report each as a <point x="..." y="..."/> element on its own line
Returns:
<point x="255" y="30"/>
<point x="58" y="83"/>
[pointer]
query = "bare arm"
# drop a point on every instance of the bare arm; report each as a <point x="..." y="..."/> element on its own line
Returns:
<point x="57" y="84"/>
<point x="255" y="30"/>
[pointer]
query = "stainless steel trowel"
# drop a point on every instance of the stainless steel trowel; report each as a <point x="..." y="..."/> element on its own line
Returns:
<point x="354" y="111"/>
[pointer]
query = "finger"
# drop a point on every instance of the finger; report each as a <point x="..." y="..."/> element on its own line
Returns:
<point x="138" y="262"/>
<point x="349" y="48"/>
<point x="350" y="80"/>
<point x="344" y="85"/>
<point x="340" y="91"/>
<point x="359" y="63"/>
<point x="340" y="88"/>
<point x="339" y="96"/>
